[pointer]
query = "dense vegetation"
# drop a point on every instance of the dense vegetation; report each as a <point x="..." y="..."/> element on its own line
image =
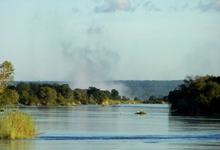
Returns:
<point x="7" y="96"/>
<point x="34" y="93"/>
<point x="154" y="100"/>
<point x="143" y="89"/>
<point x="13" y="125"/>
<point x="37" y="93"/>
<point x="199" y="95"/>
<point x="17" y="125"/>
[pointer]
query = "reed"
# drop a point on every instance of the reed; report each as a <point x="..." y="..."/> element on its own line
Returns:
<point x="17" y="125"/>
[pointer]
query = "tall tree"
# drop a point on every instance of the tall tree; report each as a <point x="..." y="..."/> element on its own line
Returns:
<point x="115" y="94"/>
<point x="7" y="96"/>
<point x="6" y="75"/>
<point x="22" y="86"/>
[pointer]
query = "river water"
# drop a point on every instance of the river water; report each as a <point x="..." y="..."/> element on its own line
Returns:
<point x="117" y="128"/>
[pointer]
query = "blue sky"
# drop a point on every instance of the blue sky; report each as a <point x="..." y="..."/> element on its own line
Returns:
<point x="110" y="39"/>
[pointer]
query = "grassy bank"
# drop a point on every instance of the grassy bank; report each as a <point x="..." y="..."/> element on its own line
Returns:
<point x="115" y="102"/>
<point x="17" y="125"/>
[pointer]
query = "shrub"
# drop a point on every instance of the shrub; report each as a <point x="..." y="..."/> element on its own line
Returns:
<point x="17" y="125"/>
<point x="141" y="112"/>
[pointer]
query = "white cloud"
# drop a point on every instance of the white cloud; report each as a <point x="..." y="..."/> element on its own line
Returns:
<point x="113" y="5"/>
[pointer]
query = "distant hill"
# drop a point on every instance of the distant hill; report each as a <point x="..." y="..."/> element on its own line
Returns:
<point x="133" y="88"/>
<point x="146" y="88"/>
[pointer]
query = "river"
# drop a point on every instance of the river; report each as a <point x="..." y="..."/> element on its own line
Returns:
<point x="94" y="127"/>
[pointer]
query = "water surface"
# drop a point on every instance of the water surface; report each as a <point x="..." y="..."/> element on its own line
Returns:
<point x="95" y="127"/>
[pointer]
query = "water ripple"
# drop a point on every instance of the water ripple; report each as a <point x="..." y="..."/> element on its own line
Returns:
<point x="152" y="138"/>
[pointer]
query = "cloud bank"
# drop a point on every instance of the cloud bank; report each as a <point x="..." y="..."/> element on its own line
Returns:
<point x="209" y="5"/>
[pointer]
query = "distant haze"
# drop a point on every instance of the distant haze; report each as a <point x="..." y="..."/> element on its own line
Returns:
<point x="100" y="40"/>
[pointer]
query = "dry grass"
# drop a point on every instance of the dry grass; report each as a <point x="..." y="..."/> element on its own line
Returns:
<point x="17" y="125"/>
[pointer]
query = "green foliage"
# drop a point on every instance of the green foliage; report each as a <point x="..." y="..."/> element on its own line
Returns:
<point x="60" y="99"/>
<point x="137" y="100"/>
<point x="56" y="94"/>
<point x="47" y="95"/>
<point x="34" y="88"/>
<point x="159" y="100"/>
<point x="97" y="96"/>
<point x="24" y="97"/>
<point x="17" y="125"/>
<point x="199" y="95"/>
<point x="125" y="98"/>
<point x="22" y="86"/>
<point x="6" y="75"/>
<point x="115" y="94"/>
<point x="34" y="93"/>
<point x="10" y="97"/>
<point x="7" y="96"/>
<point x="64" y="90"/>
<point x="152" y="98"/>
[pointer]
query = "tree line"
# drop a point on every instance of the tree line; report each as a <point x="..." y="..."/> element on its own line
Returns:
<point x="34" y="93"/>
<point x="198" y="95"/>
<point x="38" y="93"/>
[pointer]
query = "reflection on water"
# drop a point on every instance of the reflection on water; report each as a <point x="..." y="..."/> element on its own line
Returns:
<point x="17" y="144"/>
<point x="197" y="124"/>
<point x="94" y="127"/>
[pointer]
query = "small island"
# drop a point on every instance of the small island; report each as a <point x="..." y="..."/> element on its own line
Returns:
<point x="141" y="113"/>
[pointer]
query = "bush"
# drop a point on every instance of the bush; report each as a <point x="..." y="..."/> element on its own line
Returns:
<point x="17" y="125"/>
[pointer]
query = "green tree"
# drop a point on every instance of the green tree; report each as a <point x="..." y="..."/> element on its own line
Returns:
<point x="136" y="99"/>
<point x="125" y="98"/>
<point x="115" y="94"/>
<point x="34" y="88"/>
<point x="60" y="99"/>
<point x="198" y="95"/>
<point x="33" y="100"/>
<point x="103" y="96"/>
<point x="47" y="95"/>
<point x="9" y="97"/>
<point x="152" y="98"/>
<point x="93" y="91"/>
<point x="65" y="91"/>
<point x="6" y="75"/>
<point x="22" y="86"/>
